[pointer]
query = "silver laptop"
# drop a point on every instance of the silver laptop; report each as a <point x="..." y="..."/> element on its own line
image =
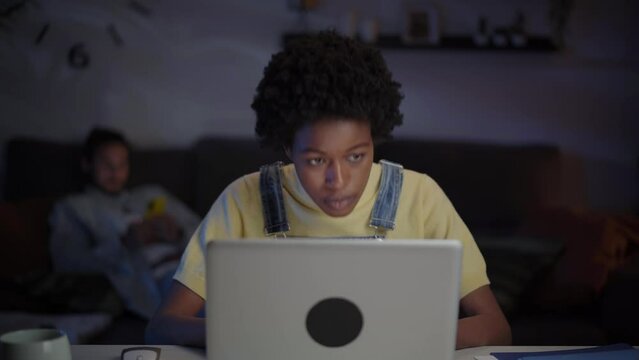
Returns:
<point x="332" y="299"/>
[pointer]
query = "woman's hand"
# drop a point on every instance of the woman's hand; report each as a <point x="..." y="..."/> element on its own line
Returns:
<point x="485" y="324"/>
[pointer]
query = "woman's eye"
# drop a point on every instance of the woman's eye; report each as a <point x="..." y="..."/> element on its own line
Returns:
<point x="315" y="161"/>
<point x="355" y="157"/>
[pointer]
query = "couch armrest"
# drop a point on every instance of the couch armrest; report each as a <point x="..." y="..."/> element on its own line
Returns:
<point x="596" y="245"/>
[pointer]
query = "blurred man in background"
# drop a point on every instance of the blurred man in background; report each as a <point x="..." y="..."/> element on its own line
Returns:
<point x="132" y="236"/>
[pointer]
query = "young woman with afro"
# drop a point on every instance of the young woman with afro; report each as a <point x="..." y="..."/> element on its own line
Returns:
<point x="326" y="101"/>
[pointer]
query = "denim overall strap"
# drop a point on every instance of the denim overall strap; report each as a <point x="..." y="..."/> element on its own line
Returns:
<point x="275" y="220"/>
<point x="390" y="187"/>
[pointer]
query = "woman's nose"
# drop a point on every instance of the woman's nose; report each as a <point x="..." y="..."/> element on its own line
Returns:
<point x="335" y="175"/>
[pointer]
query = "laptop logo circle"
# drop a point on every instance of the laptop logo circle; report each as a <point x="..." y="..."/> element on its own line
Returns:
<point x="334" y="322"/>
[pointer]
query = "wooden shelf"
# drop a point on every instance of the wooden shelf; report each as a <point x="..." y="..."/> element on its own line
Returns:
<point x="452" y="43"/>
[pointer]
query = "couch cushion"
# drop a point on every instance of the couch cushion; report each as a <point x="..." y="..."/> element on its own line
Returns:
<point x="173" y="169"/>
<point x="514" y="262"/>
<point x="222" y="160"/>
<point x="492" y="186"/>
<point x="619" y="303"/>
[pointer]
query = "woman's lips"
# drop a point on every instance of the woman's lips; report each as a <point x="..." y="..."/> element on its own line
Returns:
<point x="338" y="203"/>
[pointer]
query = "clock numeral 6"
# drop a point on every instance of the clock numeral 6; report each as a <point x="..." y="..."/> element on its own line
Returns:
<point x="78" y="57"/>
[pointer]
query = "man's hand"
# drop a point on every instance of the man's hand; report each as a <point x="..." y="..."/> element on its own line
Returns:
<point x="158" y="228"/>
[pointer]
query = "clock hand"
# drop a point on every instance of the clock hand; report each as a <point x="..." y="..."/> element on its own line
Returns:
<point x="139" y="8"/>
<point x="42" y="33"/>
<point x="117" y="39"/>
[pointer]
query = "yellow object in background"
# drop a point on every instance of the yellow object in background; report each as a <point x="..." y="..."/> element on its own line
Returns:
<point x="156" y="206"/>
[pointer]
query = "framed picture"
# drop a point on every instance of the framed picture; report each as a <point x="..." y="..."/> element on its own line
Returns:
<point x="421" y="25"/>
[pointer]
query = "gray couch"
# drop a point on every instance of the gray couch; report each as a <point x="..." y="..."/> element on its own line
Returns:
<point x="503" y="192"/>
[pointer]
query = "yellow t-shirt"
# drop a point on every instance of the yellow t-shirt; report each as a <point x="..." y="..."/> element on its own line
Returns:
<point x="424" y="212"/>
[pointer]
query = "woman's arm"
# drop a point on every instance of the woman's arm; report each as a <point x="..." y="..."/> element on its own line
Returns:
<point x="176" y="321"/>
<point x="485" y="324"/>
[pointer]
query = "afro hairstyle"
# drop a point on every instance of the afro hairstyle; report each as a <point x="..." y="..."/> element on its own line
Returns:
<point x="325" y="76"/>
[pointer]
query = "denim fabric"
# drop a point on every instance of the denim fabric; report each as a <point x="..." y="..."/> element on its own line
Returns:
<point x="384" y="209"/>
<point x="275" y="220"/>
<point x="390" y="188"/>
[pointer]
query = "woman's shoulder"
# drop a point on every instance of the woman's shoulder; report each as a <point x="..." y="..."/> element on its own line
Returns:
<point x="419" y="179"/>
<point x="243" y="187"/>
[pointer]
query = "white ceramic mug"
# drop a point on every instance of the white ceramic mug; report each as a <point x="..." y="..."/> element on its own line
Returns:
<point x="35" y="344"/>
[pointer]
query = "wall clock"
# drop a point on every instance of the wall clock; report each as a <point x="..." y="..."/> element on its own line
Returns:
<point x="35" y="30"/>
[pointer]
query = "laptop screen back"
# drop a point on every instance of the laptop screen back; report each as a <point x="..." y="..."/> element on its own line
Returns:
<point x="325" y="299"/>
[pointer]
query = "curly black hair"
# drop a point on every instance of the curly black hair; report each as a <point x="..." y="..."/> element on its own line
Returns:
<point x="325" y="75"/>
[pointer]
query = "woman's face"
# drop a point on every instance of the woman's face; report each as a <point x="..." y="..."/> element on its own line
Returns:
<point x="110" y="167"/>
<point x="333" y="159"/>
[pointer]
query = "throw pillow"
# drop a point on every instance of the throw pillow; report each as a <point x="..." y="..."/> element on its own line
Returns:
<point x="24" y="237"/>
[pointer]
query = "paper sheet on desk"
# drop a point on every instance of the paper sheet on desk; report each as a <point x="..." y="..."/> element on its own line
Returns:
<point x="607" y="355"/>
<point x="608" y="352"/>
<point x="631" y="354"/>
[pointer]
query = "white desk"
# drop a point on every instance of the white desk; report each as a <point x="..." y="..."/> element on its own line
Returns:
<point x="112" y="352"/>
